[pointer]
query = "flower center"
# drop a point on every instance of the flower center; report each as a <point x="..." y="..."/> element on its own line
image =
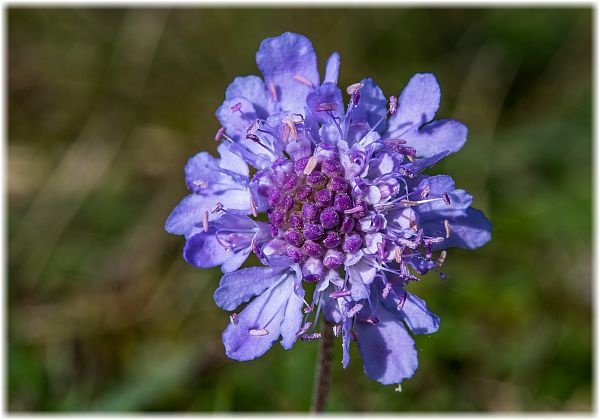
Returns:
<point x="312" y="210"/>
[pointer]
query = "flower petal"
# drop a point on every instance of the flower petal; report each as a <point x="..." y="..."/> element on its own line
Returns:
<point x="232" y="161"/>
<point x="236" y="115"/>
<point x="417" y="104"/>
<point x="251" y="88"/>
<point x="327" y="93"/>
<point x="372" y="106"/>
<point x="332" y="69"/>
<point x="388" y="352"/>
<point x="289" y="62"/>
<point x="266" y="312"/>
<point x="437" y="137"/>
<point x="470" y="231"/>
<point x="418" y="317"/>
<point x="203" y="250"/>
<point x="240" y="286"/>
<point x="292" y="319"/>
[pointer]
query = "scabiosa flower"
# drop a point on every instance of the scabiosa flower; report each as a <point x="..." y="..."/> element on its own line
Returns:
<point x="347" y="204"/>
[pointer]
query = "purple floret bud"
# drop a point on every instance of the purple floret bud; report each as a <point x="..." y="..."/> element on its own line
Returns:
<point x="332" y="239"/>
<point x="338" y="185"/>
<point x="347" y="224"/>
<point x="295" y="220"/>
<point x="310" y="212"/>
<point x="329" y="218"/>
<point x="313" y="232"/>
<point x="316" y="179"/>
<point x="294" y="237"/>
<point x="332" y="168"/>
<point x="313" y="249"/>
<point x="352" y="243"/>
<point x="342" y="202"/>
<point x="304" y="192"/>
<point x="323" y="197"/>
<point x="333" y="259"/>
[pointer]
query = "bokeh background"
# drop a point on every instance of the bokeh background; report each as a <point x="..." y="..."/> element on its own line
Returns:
<point x="106" y="105"/>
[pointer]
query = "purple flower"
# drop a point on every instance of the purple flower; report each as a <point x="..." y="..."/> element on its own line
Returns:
<point x="347" y="204"/>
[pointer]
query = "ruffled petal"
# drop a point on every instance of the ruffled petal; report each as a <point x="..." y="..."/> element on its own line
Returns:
<point x="289" y="62"/>
<point x="242" y="285"/>
<point x="190" y="211"/>
<point x="232" y="161"/>
<point x="360" y="275"/>
<point x="371" y="107"/>
<point x="419" y="165"/>
<point x="417" y="104"/>
<point x="469" y="231"/>
<point x="437" y="137"/>
<point x="387" y="350"/>
<point x="292" y="319"/>
<point x="237" y="115"/>
<point x="332" y="69"/>
<point x="253" y="89"/>
<point x="203" y="250"/>
<point x="266" y="312"/>
<point x="328" y="93"/>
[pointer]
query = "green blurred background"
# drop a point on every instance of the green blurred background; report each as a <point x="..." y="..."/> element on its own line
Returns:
<point x="106" y="105"/>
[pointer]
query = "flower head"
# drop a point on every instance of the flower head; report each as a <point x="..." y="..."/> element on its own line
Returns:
<point x="347" y="204"/>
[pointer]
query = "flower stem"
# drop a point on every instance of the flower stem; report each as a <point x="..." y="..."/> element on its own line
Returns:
<point x="323" y="370"/>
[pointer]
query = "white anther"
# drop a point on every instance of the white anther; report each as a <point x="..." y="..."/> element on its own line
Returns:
<point x="303" y="80"/>
<point x="205" y="221"/>
<point x="353" y="88"/>
<point x="310" y="165"/>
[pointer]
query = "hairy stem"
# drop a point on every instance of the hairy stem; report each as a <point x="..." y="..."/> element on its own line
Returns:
<point x="323" y="370"/>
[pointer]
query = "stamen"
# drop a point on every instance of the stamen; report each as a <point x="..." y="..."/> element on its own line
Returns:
<point x="253" y="137"/>
<point x="406" y="242"/>
<point x="327" y="106"/>
<point x="446" y="198"/>
<point x="354" y="310"/>
<point x="386" y="290"/>
<point x="304" y="328"/>
<point x="220" y="133"/>
<point x="337" y="329"/>
<point x="303" y="80"/>
<point x="340" y="293"/>
<point x="258" y="333"/>
<point x="310" y="165"/>
<point x="411" y="158"/>
<point x="425" y="192"/>
<point x="371" y="320"/>
<point x="205" y="221"/>
<point x="236" y="107"/>
<point x="393" y="105"/>
<point x="272" y="91"/>
<point x="356" y="209"/>
<point x="394" y="142"/>
<point x="381" y="249"/>
<point x="435" y="240"/>
<point x="353" y="88"/>
<point x="286" y="132"/>
<point x="292" y="127"/>
<point x="441" y="258"/>
<point x="402" y="301"/>
<point x="398" y="252"/>
<point x="308" y="309"/>
<point x="217" y="208"/>
<point x="200" y="183"/>
<point x="233" y="318"/>
<point x="310" y="337"/>
<point x="447" y="227"/>
<point x="356" y="98"/>
<point x="253" y="207"/>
